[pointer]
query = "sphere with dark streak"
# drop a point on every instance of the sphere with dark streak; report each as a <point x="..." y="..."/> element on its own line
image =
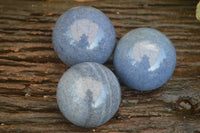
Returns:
<point x="83" y="34"/>
<point x="88" y="94"/>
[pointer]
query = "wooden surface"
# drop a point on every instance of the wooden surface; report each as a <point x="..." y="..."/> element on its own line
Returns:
<point x="30" y="69"/>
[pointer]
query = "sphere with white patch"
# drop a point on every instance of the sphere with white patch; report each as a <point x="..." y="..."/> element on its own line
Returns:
<point x="144" y="59"/>
<point x="83" y="34"/>
<point x="88" y="94"/>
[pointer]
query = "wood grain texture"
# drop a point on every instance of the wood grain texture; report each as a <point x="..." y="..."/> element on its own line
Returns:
<point x="30" y="69"/>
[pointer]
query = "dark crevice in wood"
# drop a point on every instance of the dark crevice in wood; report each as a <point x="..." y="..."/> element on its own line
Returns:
<point x="41" y="34"/>
<point x="4" y="91"/>
<point x="7" y="32"/>
<point x="118" y="7"/>
<point x="56" y="120"/>
<point x="171" y="4"/>
<point x="14" y="64"/>
<point x="29" y="20"/>
<point x="31" y="41"/>
<point x="17" y="109"/>
<point x="159" y="26"/>
<point x="141" y="13"/>
<point x="25" y="29"/>
<point x="34" y="59"/>
<point x="32" y="49"/>
<point x="29" y="93"/>
<point x="25" y="81"/>
<point x="144" y="5"/>
<point x="45" y="14"/>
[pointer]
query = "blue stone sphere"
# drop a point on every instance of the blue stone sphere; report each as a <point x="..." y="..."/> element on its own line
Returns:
<point x="83" y="34"/>
<point x="144" y="59"/>
<point x="88" y="94"/>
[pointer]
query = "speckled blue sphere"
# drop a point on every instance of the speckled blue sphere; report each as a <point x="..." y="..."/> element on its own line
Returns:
<point x="144" y="59"/>
<point x="83" y="34"/>
<point x="88" y="94"/>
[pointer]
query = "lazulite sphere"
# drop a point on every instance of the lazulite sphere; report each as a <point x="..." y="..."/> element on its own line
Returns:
<point x="83" y="34"/>
<point x="144" y="59"/>
<point x="88" y="94"/>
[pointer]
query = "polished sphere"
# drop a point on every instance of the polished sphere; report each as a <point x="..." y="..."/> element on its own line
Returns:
<point x="88" y="94"/>
<point x="83" y="34"/>
<point x="144" y="59"/>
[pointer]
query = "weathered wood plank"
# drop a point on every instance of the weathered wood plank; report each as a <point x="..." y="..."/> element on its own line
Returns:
<point x="30" y="69"/>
